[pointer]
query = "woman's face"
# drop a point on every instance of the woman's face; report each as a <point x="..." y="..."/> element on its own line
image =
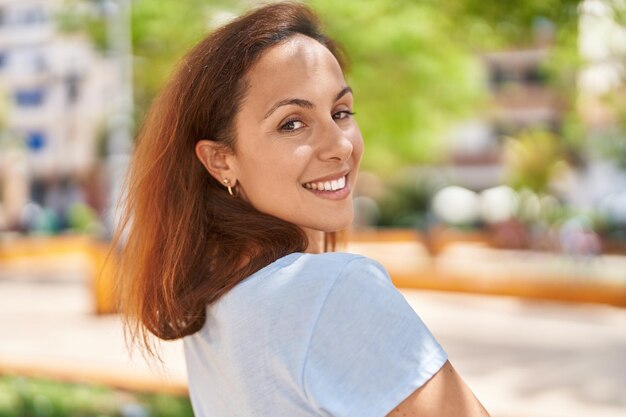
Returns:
<point x="298" y="146"/>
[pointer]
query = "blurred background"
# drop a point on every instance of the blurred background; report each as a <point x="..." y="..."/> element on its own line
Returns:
<point x="493" y="188"/>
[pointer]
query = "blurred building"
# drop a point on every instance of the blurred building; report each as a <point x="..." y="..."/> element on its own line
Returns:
<point x="523" y="98"/>
<point x="520" y="98"/>
<point x="521" y="95"/>
<point x="52" y="92"/>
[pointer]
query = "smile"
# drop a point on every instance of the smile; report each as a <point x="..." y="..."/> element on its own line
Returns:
<point x="330" y="185"/>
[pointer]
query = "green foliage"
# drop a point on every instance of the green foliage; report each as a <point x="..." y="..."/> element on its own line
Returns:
<point x="406" y="206"/>
<point x="415" y="70"/>
<point x="410" y="79"/>
<point x="162" y="31"/>
<point x="533" y="159"/>
<point x="74" y="16"/>
<point x="406" y="202"/>
<point x="500" y="24"/>
<point x="83" y="219"/>
<point x="21" y="397"/>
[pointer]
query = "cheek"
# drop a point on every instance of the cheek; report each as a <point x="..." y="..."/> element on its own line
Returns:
<point x="302" y="154"/>
<point x="277" y="164"/>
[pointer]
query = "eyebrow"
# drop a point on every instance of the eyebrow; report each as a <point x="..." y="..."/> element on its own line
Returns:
<point x="302" y="103"/>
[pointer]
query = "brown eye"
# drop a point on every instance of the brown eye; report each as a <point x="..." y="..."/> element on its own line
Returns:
<point x="292" y="125"/>
<point x="343" y="114"/>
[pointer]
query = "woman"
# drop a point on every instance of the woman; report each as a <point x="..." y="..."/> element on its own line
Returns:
<point x="242" y="175"/>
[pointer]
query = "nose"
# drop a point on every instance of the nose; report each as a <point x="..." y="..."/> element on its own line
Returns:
<point x="335" y="143"/>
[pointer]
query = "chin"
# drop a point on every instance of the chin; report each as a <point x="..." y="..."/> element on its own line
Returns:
<point x="326" y="221"/>
<point x="336" y="226"/>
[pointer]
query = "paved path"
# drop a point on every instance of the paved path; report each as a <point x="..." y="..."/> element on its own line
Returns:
<point x="522" y="358"/>
<point x="529" y="358"/>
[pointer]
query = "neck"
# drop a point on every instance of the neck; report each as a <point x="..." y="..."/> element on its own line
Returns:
<point x="316" y="241"/>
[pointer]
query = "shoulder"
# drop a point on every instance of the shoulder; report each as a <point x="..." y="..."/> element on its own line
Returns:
<point x="355" y="269"/>
<point x="337" y="264"/>
<point x="303" y="275"/>
<point x="368" y="349"/>
<point x="358" y="284"/>
<point x="335" y="270"/>
<point x="319" y="270"/>
<point x="300" y="284"/>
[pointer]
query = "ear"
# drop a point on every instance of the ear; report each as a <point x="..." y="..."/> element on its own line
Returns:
<point x="218" y="160"/>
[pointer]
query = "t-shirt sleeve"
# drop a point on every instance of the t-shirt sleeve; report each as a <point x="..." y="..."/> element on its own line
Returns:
<point x="369" y="350"/>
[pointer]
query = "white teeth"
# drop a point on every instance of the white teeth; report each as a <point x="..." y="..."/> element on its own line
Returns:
<point x="333" y="185"/>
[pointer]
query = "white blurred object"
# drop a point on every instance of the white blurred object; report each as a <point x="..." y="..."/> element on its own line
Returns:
<point x="529" y="206"/>
<point x="601" y="42"/>
<point x="473" y="137"/>
<point x="498" y="204"/>
<point x="29" y="215"/>
<point x="456" y="205"/>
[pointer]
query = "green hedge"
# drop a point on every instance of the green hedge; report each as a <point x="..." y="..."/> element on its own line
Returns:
<point x="26" y="397"/>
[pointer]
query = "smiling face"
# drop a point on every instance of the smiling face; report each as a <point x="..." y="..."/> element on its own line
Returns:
<point x="298" y="147"/>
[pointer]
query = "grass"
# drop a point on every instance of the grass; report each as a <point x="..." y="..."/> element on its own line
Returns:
<point x="29" y="397"/>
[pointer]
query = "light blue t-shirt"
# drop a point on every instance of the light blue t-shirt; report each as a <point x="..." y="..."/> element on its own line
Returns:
<point x="310" y="335"/>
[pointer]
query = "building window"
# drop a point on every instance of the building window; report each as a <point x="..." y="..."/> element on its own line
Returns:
<point x="35" y="140"/>
<point x="535" y="76"/>
<point x="39" y="63"/>
<point x="32" y="16"/>
<point x="72" y="86"/>
<point x="28" y="61"/>
<point x="32" y="97"/>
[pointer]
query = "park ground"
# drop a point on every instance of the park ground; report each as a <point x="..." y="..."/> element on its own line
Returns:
<point x="522" y="357"/>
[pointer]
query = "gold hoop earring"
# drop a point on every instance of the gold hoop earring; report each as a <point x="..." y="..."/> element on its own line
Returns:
<point x="230" y="189"/>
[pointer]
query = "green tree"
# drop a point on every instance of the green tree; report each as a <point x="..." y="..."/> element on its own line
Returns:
<point x="501" y="24"/>
<point x="411" y="80"/>
<point x="414" y="63"/>
<point x="163" y="31"/>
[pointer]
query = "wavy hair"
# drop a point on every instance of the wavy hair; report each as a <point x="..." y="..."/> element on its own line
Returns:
<point x="184" y="240"/>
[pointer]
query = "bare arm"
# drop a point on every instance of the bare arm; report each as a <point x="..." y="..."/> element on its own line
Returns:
<point x="444" y="395"/>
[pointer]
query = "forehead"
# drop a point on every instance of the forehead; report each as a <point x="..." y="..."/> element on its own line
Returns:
<point x="297" y="68"/>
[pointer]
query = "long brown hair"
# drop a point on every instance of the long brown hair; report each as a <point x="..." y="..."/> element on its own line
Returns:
<point x="184" y="240"/>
